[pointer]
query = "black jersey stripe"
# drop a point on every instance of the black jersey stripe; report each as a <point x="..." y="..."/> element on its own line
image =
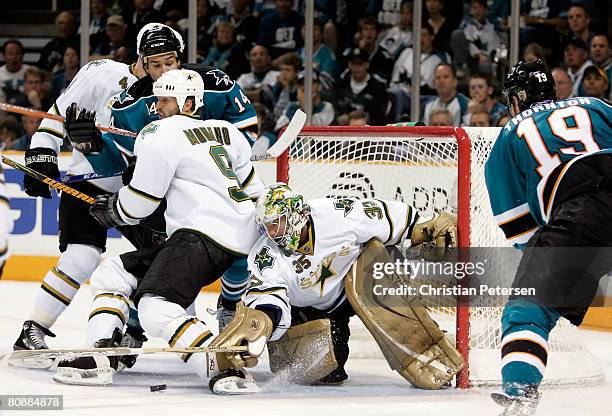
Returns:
<point x="144" y="194"/>
<point x="518" y="225"/>
<point x="181" y="330"/>
<point x="526" y="346"/>
<point x="198" y="342"/>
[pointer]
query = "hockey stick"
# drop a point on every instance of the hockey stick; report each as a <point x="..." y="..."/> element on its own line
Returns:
<point x="110" y="352"/>
<point x="291" y="132"/>
<point x="41" y="114"/>
<point x="51" y="182"/>
<point x="86" y="177"/>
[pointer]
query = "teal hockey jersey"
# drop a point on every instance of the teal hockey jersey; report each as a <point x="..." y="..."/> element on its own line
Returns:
<point x="533" y="152"/>
<point x="135" y="107"/>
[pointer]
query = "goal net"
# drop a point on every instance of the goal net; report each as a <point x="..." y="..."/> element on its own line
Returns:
<point x="433" y="169"/>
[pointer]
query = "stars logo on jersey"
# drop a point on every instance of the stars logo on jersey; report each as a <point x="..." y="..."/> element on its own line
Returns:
<point x="325" y="272"/>
<point x="264" y="259"/>
<point x="95" y="63"/>
<point x="220" y="77"/>
<point x="345" y="205"/>
<point x="149" y="128"/>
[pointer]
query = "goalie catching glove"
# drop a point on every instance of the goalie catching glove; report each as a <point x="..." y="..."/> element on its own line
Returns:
<point x="249" y="327"/>
<point x="81" y="130"/>
<point x="440" y="231"/>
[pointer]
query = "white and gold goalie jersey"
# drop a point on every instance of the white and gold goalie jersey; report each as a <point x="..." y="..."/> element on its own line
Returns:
<point x="204" y="170"/>
<point x="314" y="275"/>
<point x="94" y="88"/>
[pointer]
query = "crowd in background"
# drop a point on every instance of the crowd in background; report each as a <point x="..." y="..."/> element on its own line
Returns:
<point x="362" y="56"/>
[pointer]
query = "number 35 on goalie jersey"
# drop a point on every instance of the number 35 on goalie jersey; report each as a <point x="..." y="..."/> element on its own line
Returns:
<point x="314" y="275"/>
<point x="533" y="152"/>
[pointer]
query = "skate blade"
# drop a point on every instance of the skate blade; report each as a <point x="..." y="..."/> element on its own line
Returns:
<point x="78" y="377"/>
<point x="235" y="385"/>
<point x="32" y="363"/>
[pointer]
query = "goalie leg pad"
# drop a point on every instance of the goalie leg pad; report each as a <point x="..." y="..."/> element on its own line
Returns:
<point x="409" y="338"/>
<point x="305" y="352"/>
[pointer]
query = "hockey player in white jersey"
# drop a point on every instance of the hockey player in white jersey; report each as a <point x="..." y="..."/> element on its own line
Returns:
<point x="298" y="289"/>
<point x="81" y="238"/>
<point x="203" y="170"/>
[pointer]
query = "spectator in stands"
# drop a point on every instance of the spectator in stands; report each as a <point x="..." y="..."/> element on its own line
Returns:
<point x="267" y="137"/>
<point x="246" y="26"/>
<point x="357" y="118"/>
<point x="475" y="40"/>
<point x="480" y="119"/>
<point x="440" y="117"/>
<point x="576" y="59"/>
<point x="540" y="21"/>
<point x="285" y="89"/>
<point x="324" y="59"/>
<point x="533" y="52"/>
<point x="503" y="120"/>
<point x="600" y="52"/>
<point x="264" y="7"/>
<point x="172" y="10"/>
<point x="360" y="91"/>
<point x="63" y="77"/>
<point x="29" y="126"/>
<point x="322" y="111"/>
<point x="401" y="81"/>
<point x="563" y="83"/>
<point x="115" y="38"/>
<point x="9" y="131"/>
<point x="52" y="53"/>
<point x="481" y="100"/>
<point x="258" y="83"/>
<point x="33" y="89"/>
<point x="387" y="12"/>
<point x="226" y="54"/>
<point x="399" y="37"/>
<point x="445" y="82"/>
<point x="442" y="26"/>
<point x="595" y="83"/>
<point x="280" y="30"/>
<point x="381" y="62"/>
<point x="97" y="23"/>
<point x="579" y="19"/>
<point x="143" y="13"/>
<point x="13" y="71"/>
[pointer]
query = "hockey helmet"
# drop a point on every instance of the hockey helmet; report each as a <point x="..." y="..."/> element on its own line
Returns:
<point x="180" y="83"/>
<point x="530" y="82"/>
<point x="278" y="201"/>
<point x="156" y="39"/>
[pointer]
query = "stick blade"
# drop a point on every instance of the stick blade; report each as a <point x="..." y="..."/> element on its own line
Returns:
<point x="291" y="132"/>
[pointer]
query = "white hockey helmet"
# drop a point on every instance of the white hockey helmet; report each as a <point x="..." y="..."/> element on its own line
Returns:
<point x="157" y="38"/>
<point x="180" y="83"/>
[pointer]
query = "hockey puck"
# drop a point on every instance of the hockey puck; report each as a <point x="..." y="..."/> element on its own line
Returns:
<point x="158" y="387"/>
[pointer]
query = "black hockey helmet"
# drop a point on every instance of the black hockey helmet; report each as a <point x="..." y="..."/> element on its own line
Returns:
<point x="156" y="38"/>
<point x="530" y="82"/>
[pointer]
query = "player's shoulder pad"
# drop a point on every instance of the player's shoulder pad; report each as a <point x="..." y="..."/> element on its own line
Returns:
<point x="141" y="88"/>
<point x="215" y="80"/>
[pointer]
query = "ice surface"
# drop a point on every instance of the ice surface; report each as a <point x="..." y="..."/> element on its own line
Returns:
<point x="372" y="389"/>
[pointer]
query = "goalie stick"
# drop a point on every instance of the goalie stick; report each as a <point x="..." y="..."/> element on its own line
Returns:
<point x="110" y="352"/>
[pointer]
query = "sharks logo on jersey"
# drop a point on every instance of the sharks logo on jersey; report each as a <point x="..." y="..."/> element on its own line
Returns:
<point x="221" y="77"/>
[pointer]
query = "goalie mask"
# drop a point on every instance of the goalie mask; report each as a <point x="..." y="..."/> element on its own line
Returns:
<point x="181" y="84"/>
<point x="531" y="83"/>
<point x="281" y="214"/>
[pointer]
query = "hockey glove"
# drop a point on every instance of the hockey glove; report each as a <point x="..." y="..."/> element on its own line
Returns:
<point x="42" y="160"/>
<point x="104" y="210"/>
<point x="126" y="176"/>
<point x="81" y="130"/>
<point x="439" y="231"/>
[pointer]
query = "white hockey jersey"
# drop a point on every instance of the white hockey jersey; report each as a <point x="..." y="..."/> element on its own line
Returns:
<point x="314" y="275"/>
<point x="94" y="88"/>
<point x="204" y="170"/>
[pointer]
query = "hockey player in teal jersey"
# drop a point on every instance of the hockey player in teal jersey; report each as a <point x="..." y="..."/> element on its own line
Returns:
<point x="549" y="178"/>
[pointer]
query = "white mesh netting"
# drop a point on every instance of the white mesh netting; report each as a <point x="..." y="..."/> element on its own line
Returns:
<point x="411" y="165"/>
